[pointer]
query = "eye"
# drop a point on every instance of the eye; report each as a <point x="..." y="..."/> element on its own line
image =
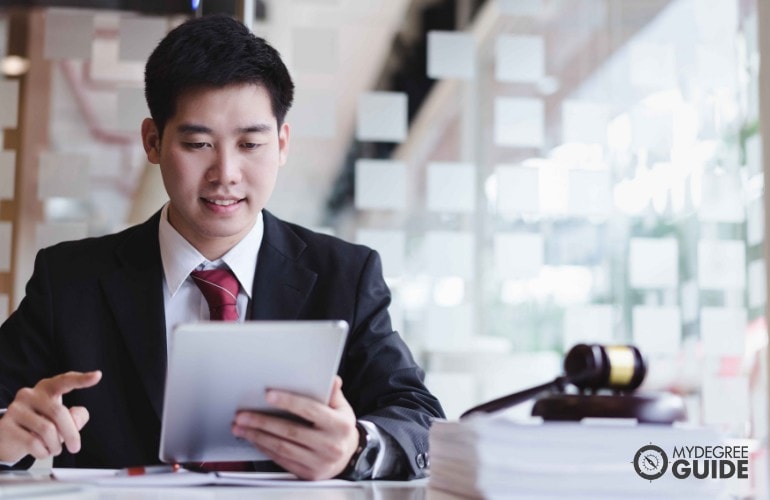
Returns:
<point x="196" y="145"/>
<point x="250" y="145"/>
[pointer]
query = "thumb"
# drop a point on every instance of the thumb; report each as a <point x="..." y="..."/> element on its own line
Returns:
<point x="337" y="399"/>
<point x="79" y="415"/>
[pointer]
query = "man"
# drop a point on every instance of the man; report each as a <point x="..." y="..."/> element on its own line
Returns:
<point x="88" y="342"/>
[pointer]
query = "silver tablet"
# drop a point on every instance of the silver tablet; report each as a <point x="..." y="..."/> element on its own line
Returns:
<point x="216" y="368"/>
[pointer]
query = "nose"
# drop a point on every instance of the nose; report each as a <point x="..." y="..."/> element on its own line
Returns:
<point x="225" y="169"/>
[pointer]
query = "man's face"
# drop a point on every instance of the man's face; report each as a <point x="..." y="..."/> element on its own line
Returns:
<point x="219" y="158"/>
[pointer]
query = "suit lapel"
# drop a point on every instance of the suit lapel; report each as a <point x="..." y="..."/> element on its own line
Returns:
<point x="281" y="284"/>
<point x="135" y="294"/>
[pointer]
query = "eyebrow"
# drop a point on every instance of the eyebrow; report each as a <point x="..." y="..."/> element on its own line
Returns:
<point x="191" y="128"/>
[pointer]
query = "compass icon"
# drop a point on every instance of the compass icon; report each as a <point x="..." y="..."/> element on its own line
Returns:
<point x="650" y="462"/>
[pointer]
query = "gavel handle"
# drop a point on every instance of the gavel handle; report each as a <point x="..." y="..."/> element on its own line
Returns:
<point x="516" y="397"/>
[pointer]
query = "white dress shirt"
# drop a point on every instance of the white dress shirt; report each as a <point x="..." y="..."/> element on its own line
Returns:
<point x="183" y="302"/>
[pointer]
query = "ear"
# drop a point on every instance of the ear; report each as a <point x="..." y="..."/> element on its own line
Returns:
<point x="151" y="140"/>
<point x="283" y="144"/>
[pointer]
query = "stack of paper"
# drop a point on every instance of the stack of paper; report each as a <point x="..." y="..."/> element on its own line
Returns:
<point x="499" y="457"/>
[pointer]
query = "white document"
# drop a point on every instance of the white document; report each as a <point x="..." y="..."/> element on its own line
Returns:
<point x="520" y="7"/>
<point x="182" y="477"/>
<point x="68" y="34"/>
<point x="316" y="50"/>
<point x="726" y="400"/>
<point x="451" y="187"/>
<point x="6" y="241"/>
<point x="63" y="175"/>
<point x="390" y="244"/>
<point x="132" y="108"/>
<point x="4" y="306"/>
<point x="382" y="116"/>
<point x="657" y="330"/>
<point x="653" y="65"/>
<point x="380" y="185"/>
<point x="722" y="264"/>
<point x="519" y="255"/>
<point x="756" y="281"/>
<point x="9" y="103"/>
<point x="314" y="113"/>
<point x="449" y="328"/>
<point x="519" y="122"/>
<point x="518" y="190"/>
<point x="449" y="253"/>
<point x="31" y="484"/>
<point x="139" y="35"/>
<point x="754" y="154"/>
<point x="723" y="199"/>
<point x="7" y="174"/>
<point x="653" y="263"/>
<point x="451" y="54"/>
<point x="590" y="193"/>
<point x="584" y="121"/>
<point x="755" y="221"/>
<point x="723" y="331"/>
<point x="519" y="58"/>
<point x="689" y="301"/>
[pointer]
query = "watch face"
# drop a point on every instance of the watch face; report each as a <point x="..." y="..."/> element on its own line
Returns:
<point x="650" y="462"/>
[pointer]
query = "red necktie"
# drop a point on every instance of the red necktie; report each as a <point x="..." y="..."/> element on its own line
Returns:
<point x="220" y="289"/>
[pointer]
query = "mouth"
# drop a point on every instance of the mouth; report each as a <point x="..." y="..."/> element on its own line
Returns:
<point x="219" y="204"/>
<point x="224" y="202"/>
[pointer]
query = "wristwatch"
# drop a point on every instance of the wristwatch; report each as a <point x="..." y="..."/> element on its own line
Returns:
<point x="361" y="465"/>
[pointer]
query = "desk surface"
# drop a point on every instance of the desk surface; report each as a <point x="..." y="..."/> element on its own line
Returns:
<point x="377" y="490"/>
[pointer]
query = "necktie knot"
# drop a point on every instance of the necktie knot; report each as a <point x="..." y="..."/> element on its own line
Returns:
<point x="220" y="289"/>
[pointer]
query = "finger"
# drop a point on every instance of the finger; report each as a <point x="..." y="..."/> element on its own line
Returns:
<point x="60" y="416"/>
<point x="307" y="408"/>
<point x="80" y="416"/>
<point x="278" y="447"/>
<point x="41" y="427"/>
<point x="66" y="382"/>
<point x="278" y="426"/>
<point x="27" y="443"/>
<point x="300" y="470"/>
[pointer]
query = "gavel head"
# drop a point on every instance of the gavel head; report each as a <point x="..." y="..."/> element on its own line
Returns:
<point x="594" y="366"/>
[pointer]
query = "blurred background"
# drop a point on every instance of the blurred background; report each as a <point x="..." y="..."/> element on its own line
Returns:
<point x="534" y="173"/>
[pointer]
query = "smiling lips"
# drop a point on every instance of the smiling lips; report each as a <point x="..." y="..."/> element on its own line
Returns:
<point x="223" y="203"/>
<point x="220" y="205"/>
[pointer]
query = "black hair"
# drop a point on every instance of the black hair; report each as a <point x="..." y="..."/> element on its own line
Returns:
<point x="213" y="51"/>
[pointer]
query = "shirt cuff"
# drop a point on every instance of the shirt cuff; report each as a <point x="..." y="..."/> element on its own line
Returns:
<point x="386" y="463"/>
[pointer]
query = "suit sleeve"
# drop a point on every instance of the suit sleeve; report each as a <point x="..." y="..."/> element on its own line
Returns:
<point x="26" y="341"/>
<point x="381" y="379"/>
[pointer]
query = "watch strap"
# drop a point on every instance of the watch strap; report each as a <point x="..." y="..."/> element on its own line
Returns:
<point x="361" y="465"/>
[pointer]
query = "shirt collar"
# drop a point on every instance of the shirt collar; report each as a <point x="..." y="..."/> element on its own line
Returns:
<point x="180" y="258"/>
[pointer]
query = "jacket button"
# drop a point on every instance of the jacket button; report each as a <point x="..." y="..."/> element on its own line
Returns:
<point x="420" y="460"/>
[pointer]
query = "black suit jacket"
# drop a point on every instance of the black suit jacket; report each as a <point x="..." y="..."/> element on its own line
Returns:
<point x="98" y="304"/>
